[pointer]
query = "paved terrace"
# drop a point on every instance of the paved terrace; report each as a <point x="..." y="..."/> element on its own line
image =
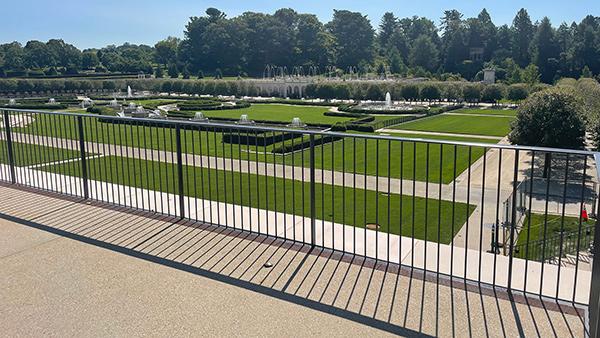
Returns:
<point x="70" y="268"/>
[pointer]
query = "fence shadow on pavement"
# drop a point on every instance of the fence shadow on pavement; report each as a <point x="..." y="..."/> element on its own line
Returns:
<point x="385" y="296"/>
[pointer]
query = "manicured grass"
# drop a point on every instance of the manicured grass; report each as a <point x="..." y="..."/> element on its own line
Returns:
<point x="279" y="112"/>
<point x="349" y="155"/>
<point x="26" y="154"/>
<point x="388" y="117"/>
<point x="499" y="112"/>
<point x="534" y="226"/>
<point x="344" y="205"/>
<point x="474" y="125"/>
<point x="416" y="135"/>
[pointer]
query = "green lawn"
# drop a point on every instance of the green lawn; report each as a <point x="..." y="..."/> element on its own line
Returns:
<point x="279" y="112"/>
<point x="552" y="225"/>
<point x="345" y="205"/>
<point x="26" y="154"/>
<point x="340" y="155"/>
<point x="499" y="112"/>
<point x="474" y="125"/>
<point x="416" y="135"/>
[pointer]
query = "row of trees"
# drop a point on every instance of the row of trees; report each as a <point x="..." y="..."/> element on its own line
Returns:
<point x="427" y="91"/>
<point x="524" y="51"/>
<point x="38" y="58"/>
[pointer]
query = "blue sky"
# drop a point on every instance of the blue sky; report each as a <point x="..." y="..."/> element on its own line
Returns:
<point x="95" y="23"/>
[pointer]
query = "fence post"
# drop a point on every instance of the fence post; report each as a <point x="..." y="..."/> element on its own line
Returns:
<point x="84" y="170"/>
<point x="513" y="216"/>
<point x="179" y="171"/>
<point x="9" y="145"/>
<point x="313" y="224"/>
<point x="594" y="300"/>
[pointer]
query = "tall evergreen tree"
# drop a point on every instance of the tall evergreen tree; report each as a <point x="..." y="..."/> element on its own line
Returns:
<point x="522" y="30"/>
<point x="453" y="40"/>
<point x="546" y="51"/>
<point x="386" y="29"/>
<point x="354" y="37"/>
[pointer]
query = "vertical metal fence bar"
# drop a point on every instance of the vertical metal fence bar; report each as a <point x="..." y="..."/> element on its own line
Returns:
<point x="180" y="190"/>
<point x="562" y="225"/>
<point x="594" y="299"/>
<point x="512" y="220"/>
<point x="82" y="150"/>
<point x="313" y="223"/>
<point x="578" y="244"/>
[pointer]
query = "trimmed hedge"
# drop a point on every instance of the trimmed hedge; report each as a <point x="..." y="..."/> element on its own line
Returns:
<point x="102" y="111"/>
<point x="355" y="109"/>
<point x="259" y="138"/>
<point x="287" y="148"/>
<point x="343" y="114"/>
<point x="297" y="102"/>
<point x="211" y="105"/>
<point x="36" y="106"/>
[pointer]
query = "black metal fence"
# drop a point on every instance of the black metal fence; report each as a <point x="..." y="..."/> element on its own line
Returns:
<point x="431" y="205"/>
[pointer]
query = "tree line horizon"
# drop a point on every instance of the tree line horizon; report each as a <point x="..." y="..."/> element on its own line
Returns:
<point x="457" y="48"/>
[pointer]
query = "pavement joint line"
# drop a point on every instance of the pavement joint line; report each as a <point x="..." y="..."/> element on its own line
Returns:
<point x="33" y="247"/>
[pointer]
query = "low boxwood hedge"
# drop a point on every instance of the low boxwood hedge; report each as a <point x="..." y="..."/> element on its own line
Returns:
<point x="35" y="106"/>
<point x="355" y="109"/>
<point x="287" y="148"/>
<point x="258" y="138"/>
<point x="211" y="105"/>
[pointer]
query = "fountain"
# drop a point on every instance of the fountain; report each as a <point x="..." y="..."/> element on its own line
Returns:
<point x="121" y="114"/>
<point x="86" y="102"/>
<point x="51" y="101"/>
<point x="129" y="92"/>
<point x="154" y="114"/>
<point x="199" y="117"/>
<point x="132" y="105"/>
<point x="12" y="102"/>
<point x="114" y="103"/>
<point x="297" y="123"/>
<point x="387" y="105"/>
<point x="244" y="120"/>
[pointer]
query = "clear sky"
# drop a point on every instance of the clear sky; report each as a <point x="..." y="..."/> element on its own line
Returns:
<point x="96" y="23"/>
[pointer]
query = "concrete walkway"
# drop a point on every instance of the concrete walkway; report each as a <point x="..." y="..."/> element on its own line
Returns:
<point x="71" y="269"/>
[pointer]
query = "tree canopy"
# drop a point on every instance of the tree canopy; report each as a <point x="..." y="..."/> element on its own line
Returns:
<point x="456" y="47"/>
<point x="550" y="118"/>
